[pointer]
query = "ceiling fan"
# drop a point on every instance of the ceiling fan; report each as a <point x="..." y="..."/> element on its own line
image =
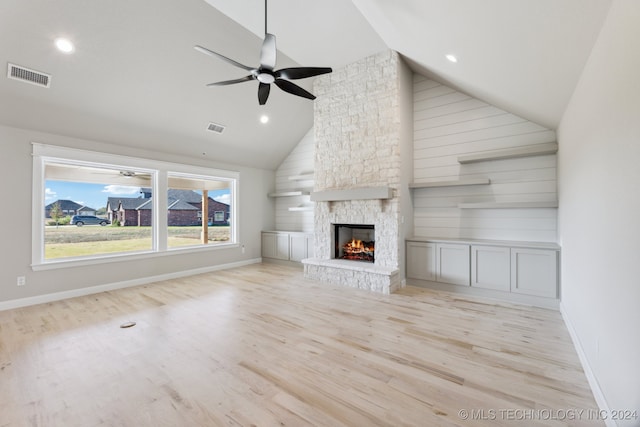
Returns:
<point x="266" y="74"/>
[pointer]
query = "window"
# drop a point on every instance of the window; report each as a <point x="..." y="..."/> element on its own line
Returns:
<point x="94" y="207"/>
<point x="193" y="204"/>
<point x="125" y="226"/>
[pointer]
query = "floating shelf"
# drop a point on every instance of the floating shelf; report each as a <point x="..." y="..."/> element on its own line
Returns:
<point x="363" y="193"/>
<point x="511" y="153"/>
<point x="460" y="182"/>
<point x="303" y="177"/>
<point x="302" y="208"/>
<point x="290" y="194"/>
<point x="508" y="205"/>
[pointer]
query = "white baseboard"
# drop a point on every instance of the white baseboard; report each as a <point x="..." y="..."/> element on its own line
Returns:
<point x="593" y="382"/>
<point x="57" y="296"/>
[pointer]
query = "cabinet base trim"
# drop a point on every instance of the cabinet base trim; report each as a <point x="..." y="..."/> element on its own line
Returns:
<point x="550" y="303"/>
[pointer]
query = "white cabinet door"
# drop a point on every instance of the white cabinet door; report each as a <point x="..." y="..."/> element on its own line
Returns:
<point x="310" y="248"/>
<point x="453" y="264"/>
<point x="491" y="267"/>
<point x="421" y="260"/>
<point x="268" y="245"/>
<point x="275" y="245"/>
<point x="298" y="247"/>
<point x="534" y="272"/>
<point x="282" y="246"/>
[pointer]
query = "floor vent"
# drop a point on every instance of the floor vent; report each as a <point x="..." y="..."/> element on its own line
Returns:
<point x="214" y="127"/>
<point x="16" y="72"/>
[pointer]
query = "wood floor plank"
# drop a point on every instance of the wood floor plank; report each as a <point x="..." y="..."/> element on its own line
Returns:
<point x="260" y="345"/>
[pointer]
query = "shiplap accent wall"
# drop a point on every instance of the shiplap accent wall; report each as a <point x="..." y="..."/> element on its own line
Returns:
<point x="447" y="124"/>
<point x="299" y="161"/>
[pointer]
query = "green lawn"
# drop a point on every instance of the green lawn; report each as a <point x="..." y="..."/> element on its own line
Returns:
<point x="72" y="241"/>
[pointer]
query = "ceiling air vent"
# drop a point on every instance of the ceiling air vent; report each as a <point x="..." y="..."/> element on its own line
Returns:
<point x="16" y="72"/>
<point x="214" y="127"/>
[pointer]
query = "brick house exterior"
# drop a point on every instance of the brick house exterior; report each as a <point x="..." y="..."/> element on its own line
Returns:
<point x="185" y="208"/>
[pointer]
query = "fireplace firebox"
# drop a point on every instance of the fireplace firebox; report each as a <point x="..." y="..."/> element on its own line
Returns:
<point x="355" y="242"/>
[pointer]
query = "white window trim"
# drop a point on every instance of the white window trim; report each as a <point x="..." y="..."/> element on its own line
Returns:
<point x="159" y="170"/>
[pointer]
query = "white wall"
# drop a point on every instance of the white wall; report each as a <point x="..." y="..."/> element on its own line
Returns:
<point x="599" y="215"/>
<point x="255" y="214"/>
<point x="298" y="162"/>
<point x="447" y="124"/>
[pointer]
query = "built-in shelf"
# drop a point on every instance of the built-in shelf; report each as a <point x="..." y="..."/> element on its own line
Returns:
<point x="303" y="177"/>
<point x="456" y="183"/>
<point x="511" y="153"/>
<point x="290" y="194"/>
<point x="301" y="208"/>
<point x="508" y="205"/>
<point x="363" y="193"/>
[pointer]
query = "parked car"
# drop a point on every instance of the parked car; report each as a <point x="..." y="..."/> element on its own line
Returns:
<point x="81" y="220"/>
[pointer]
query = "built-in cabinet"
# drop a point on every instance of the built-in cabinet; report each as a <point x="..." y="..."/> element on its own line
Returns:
<point x="491" y="267"/>
<point x="287" y="245"/>
<point x="452" y="263"/>
<point x="534" y="272"/>
<point x="511" y="268"/>
<point x="421" y="260"/>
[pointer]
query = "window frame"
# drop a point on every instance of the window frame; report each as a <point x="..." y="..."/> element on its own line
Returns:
<point x="160" y="170"/>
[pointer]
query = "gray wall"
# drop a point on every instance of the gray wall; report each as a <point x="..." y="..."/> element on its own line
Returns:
<point x="256" y="212"/>
<point x="599" y="214"/>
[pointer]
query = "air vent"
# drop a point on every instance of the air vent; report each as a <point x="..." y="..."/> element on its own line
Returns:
<point x="214" y="127"/>
<point x="26" y="75"/>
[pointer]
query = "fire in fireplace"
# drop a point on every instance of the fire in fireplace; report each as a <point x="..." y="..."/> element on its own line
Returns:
<point x="355" y="242"/>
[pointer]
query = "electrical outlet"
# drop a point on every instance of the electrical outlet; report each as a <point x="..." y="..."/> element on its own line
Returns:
<point x="242" y="248"/>
<point x="22" y="280"/>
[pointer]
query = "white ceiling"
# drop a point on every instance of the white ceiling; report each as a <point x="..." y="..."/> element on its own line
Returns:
<point x="136" y="80"/>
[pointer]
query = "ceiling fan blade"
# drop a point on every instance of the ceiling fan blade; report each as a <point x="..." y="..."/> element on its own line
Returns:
<point x="268" y="52"/>
<point x="224" y="58"/>
<point x="294" y="89"/>
<point x="301" y="72"/>
<point x="263" y="93"/>
<point x="230" y="82"/>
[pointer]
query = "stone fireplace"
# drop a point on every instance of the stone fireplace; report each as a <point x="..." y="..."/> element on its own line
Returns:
<point x="363" y="164"/>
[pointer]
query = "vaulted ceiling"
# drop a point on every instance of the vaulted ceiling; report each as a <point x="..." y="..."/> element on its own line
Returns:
<point x="135" y="79"/>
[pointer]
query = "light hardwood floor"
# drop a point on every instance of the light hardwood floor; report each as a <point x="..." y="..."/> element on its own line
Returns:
<point x="260" y="345"/>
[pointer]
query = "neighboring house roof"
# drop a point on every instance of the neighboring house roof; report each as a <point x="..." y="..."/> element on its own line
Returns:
<point x="65" y="205"/>
<point x="86" y="208"/>
<point x="181" y="205"/>
<point x="178" y="200"/>
<point x="188" y="196"/>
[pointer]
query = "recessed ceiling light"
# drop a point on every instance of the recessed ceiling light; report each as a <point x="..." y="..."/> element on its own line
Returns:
<point x="264" y="119"/>
<point x="64" y="45"/>
<point x="452" y="58"/>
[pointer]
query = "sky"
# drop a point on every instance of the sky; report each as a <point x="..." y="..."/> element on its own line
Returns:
<point x="95" y="195"/>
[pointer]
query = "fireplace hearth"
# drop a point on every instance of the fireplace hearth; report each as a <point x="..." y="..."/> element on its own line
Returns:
<point x="355" y="242"/>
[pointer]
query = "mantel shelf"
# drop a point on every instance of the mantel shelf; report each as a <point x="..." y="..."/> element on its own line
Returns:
<point x="302" y="177"/>
<point x="362" y="193"/>
<point x="290" y="194"/>
<point x="508" y="205"/>
<point x="301" y="208"/>
<point x="511" y="153"/>
<point x="456" y="183"/>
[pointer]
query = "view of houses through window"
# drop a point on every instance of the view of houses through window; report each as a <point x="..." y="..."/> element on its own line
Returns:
<point x="93" y="210"/>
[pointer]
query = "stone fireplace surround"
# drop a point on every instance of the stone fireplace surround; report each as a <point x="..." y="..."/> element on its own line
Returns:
<point x="363" y="135"/>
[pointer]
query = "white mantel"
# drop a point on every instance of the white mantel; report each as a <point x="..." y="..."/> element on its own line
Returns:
<point x="362" y="193"/>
